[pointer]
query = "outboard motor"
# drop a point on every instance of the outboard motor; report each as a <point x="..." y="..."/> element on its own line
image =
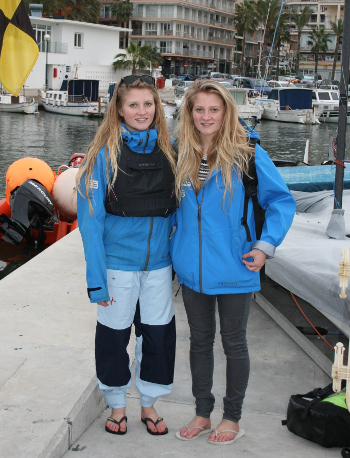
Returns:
<point x="31" y="204"/>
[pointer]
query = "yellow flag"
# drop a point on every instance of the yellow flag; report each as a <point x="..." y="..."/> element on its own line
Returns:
<point x="18" y="48"/>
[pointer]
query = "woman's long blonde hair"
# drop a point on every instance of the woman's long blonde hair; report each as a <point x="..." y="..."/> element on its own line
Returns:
<point x="229" y="149"/>
<point x="110" y="134"/>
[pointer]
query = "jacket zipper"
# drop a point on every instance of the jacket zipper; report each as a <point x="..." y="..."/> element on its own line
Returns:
<point x="151" y="220"/>
<point x="149" y="244"/>
<point x="146" y="143"/>
<point x="199" y="216"/>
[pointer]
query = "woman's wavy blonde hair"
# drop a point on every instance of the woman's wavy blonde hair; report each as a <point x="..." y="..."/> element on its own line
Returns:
<point x="110" y="134"/>
<point x="229" y="149"/>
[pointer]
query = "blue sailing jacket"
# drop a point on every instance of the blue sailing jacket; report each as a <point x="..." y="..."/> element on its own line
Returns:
<point x="208" y="243"/>
<point x="118" y="242"/>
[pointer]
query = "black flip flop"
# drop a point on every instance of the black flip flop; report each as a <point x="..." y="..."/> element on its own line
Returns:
<point x="113" y="420"/>
<point x="145" y="420"/>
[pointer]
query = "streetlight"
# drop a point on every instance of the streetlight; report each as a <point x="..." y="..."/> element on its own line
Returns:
<point x="47" y="38"/>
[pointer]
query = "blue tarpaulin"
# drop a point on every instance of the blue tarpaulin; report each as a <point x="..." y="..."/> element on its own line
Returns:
<point x="79" y="87"/>
<point x="312" y="178"/>
<point x="293" y="98"/>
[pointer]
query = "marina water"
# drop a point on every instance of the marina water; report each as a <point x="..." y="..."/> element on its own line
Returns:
<point x="54" y="138"/>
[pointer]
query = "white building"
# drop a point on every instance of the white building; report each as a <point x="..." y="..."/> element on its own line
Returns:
<point x="75" y="49"/>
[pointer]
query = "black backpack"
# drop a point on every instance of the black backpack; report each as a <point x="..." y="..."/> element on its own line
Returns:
<point x="322" y="422"/>
<point x="250" y="183"/>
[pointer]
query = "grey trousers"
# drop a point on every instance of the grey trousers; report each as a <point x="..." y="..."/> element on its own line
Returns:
<point x="233" y="311"/>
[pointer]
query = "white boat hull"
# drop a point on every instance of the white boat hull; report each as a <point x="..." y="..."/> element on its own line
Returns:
<point x="249" y="111"/>
<point x="169" y="110"/>
<point x="73" y="108"/>
<point x="332" y="116"/>
<point x="27" y="107"/>
<point x="273" y="113"/>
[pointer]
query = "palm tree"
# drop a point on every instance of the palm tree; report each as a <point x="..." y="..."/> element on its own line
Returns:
<point x="245" y="21"/>
<point x="300" y="20"/>
<point x="136" y="58"/>
<point x="318" y="39"/>
<point x="75" y="10"/>
<point x="50" y="7"/>
<point x="337" y="28"/>
<point x="153" y="55"/>
<point x="82" y="10"/>
<point x="122" y="10"/>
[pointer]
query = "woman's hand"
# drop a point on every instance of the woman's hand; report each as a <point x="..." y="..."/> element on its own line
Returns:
<point x="259" y="258"/>
<point x="104" y="303"/>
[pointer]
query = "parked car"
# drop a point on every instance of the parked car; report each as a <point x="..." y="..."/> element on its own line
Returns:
<point x="181" y="88"/>
<point x="254" y="84"/>
<point x="225" y="84"/>
<point x="328" y="84"/>
<point x="217" y="76"/>
<point x="275" y="83"/>
<point x="187" y="77"/>
<point x="294" y="79"/>
<point x="204" y="75"/>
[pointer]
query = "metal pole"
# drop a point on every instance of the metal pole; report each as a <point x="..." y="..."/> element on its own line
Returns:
<point x="46" y="85"/>
<point x="343" y="108"/>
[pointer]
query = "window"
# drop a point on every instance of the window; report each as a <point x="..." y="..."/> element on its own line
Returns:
<point x="166" y="28"/>
<point x="167" y="11"/>
<point x="166" y="47"/>
<point x="151" y="11"/>
<point x="68" y="69"/>
<point x="151" y="28"/>
<point x="40" y="31"/>
<point x="78" y="40"/>
<point x="105" y="11"/>
<point x="138" y="10"/>
<point x="150" y="43"/>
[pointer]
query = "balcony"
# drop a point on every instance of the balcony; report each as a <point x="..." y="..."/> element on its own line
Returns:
<point x="54" y="47"/>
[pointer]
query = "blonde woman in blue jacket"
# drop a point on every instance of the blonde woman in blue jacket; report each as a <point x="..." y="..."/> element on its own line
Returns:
<point x="126" y="195"/>
<point x="211" y="255"/>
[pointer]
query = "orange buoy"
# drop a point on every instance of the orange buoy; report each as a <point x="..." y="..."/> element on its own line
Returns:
<point x="28" y="168"/>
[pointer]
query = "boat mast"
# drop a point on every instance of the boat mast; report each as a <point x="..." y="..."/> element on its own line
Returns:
<point x="343" y="109"/>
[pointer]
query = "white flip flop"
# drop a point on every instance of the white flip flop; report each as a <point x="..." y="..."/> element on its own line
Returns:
<point x="202" y="431"/>
<point x="239" y="434"/>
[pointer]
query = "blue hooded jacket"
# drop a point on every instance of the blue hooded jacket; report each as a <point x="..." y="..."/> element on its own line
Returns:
<point x="208" y="243"/>
<point x="117" y="242"/>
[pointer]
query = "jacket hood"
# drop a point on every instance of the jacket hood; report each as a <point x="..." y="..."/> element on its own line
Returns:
<point x="140" y="142"/>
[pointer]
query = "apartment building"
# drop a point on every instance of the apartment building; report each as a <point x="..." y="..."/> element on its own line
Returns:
<point x="324" y="12"/>
<point x="193" y="36"/>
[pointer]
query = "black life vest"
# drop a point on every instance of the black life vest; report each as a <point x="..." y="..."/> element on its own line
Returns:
<point x="144" y="185"/>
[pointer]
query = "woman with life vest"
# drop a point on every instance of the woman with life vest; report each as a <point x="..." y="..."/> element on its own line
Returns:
<point x="211" y="253"/>
<point x="125" y="199"/>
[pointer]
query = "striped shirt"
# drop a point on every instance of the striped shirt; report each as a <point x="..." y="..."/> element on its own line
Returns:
<point x="203" y="169"/>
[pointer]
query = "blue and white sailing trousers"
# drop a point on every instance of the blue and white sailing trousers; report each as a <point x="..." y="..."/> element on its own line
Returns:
<point x="145" y="299"/>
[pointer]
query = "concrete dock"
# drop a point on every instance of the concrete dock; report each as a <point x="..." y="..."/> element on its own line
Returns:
<point x="50" y="404"/>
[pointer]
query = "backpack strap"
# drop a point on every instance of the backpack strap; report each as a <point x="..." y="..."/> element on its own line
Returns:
<point x="250" y="183"/>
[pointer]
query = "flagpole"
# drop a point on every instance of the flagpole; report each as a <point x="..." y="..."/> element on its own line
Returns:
<point x="343" y="109"/>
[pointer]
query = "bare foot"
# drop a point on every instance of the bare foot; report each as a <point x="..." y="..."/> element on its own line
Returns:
<point x="222" y="436"/>
<point x="150" y="412"/>
<point x="195" y="427"/>
<point x="117" y="414"/>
